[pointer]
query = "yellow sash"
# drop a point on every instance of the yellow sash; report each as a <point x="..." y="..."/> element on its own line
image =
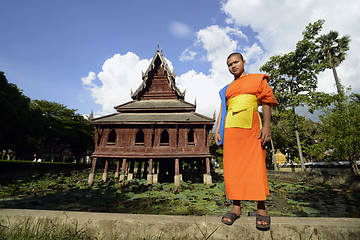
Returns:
<point x="240" y="111"/>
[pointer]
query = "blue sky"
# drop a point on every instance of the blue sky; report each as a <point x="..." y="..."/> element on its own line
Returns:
<point x="88" y="54"/>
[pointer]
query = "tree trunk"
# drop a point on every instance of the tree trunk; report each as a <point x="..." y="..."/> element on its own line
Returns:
<point x="273" y="156"/>
<point x="354" y="167"/>
<point x="298" y="141"/>
<point x="337" y="82"/>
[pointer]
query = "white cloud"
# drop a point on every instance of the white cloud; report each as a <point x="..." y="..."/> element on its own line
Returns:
<point x="201" y="87"/>
<point x="87" y="81"/>
<point x="112" y="86"/>
<point x="119" y="74"/>
<point x="253" y="52"/>
<point x="279" y="25"/>
<point x="187" y="55"/>
<point x="123" y="72"/>
<point x="218" y="44"/>
<point x="179" y="29"/>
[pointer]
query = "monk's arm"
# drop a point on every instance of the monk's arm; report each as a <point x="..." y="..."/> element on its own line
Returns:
<point x="217" y="134"/>
<point x="265" y="132"/>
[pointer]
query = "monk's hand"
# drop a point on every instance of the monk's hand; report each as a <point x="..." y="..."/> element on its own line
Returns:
<point x="217" y="138"/>
<point x="265" y="135"/>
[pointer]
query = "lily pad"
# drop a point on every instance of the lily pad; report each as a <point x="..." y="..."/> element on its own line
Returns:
<point x="310" y="210"/>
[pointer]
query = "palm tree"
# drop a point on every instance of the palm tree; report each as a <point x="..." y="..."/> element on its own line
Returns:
<point x="332" y="52"/>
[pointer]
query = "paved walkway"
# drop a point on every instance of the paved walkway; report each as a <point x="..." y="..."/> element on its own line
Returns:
<point x="138" y="226"/>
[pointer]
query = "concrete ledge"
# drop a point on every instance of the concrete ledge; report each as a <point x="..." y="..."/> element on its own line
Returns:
<point x="138" y="226"/>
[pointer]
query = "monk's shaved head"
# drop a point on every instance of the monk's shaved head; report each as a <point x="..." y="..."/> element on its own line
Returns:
<point x="235" y="54"/>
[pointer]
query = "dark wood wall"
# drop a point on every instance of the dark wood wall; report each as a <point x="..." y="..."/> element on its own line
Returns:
<point x="183" y="139"/>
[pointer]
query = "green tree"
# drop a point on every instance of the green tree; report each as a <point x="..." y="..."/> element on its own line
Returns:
<point x="341" y="127"/>
<point x="311" y="136"/>
<point x="63" y="128"/>
<point x="16" y="119"/>
<point x="80" y="136"/>
<point x="332" y="52"/>
<point x="283" y="135"/>
<point x="293" y="77"/>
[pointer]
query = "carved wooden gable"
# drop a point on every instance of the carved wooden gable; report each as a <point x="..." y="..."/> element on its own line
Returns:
<point x="158" y="82"/>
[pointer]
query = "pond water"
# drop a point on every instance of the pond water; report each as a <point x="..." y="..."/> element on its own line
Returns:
<point x="71" y="192"/>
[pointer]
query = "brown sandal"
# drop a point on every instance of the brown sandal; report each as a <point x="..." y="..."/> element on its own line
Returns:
<point x="231" y="216"/>
<point x="265" y="219"/>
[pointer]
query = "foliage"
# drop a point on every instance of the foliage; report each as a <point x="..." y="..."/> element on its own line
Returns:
<point x="283" y="134"/>
<point x="14" y="168"/>
<point x="293" y="77"/>
<point x="311" y="135"/>
<point x="63" y="127"/>
<point x="341" y="129"/>
<point x="30" y="126"/>
<point x="332" y="52"/>
<point x="16" y="119"/>
<point x="332" y="48"/>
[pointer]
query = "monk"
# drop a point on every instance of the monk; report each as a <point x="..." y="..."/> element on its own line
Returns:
<point x="241" y="132"/>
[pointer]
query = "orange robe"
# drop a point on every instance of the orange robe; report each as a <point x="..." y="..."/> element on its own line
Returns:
<point x="244" y="159"/>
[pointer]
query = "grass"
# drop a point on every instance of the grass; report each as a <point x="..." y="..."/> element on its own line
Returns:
<point x="30" y="229"/>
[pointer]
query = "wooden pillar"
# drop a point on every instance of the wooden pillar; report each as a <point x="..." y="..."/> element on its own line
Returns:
<point x="106" y="169"/>
<point x="207" y="166"/>
<point x="126" y="167"/>
<point x="177" y="175"/>
<point x="207" y="175"/>
<point x="117" y="168"/>
<point x="150" y="175"/>
<point x="123" y="167"/>
<point x="92" y="173"/>
<point x="203" y="169"/>
<point x="155" y="175"/>
<point x="131" y="170"/>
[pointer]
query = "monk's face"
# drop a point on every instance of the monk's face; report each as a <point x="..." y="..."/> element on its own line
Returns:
<point x="236" y="66"/>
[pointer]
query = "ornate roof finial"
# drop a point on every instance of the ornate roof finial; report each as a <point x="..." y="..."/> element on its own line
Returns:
<point x="131" y="92"/>
<point x="214" y="115"/>
<point x="91" y="117"/>
<point x="157" y="47"/>
<point x="195" y="102"/>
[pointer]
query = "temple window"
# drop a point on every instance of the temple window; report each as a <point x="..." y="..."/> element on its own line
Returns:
<point x="112" y="137"/>
<point x="164" y="138"/>
<point x="191" y="137"/>
<point x="139" y="139"/>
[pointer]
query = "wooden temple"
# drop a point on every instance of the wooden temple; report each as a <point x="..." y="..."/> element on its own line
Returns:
<point x="155" y="133"/>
